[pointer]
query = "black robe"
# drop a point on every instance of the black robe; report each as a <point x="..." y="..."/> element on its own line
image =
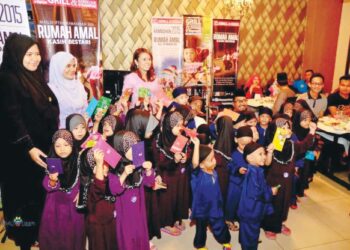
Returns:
<point x="23" y="127"/>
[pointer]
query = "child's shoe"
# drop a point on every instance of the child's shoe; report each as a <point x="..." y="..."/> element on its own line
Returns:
<point x="232" y="226"/>
<point x="294" y="206"/>
<point x="152" y="246"/>
<point x="285" y="230"/>
<point x="226" y="246"/>
<point x="202" y="248"/>
<point x="173" y="231"/>
<point x="270" y="235"/>
<point x="181" y="226"/>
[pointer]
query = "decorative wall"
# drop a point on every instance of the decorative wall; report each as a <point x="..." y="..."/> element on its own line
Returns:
<point x="271" y="36"/>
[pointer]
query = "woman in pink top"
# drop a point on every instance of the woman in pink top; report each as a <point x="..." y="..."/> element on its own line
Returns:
<point x="142" y="76"/>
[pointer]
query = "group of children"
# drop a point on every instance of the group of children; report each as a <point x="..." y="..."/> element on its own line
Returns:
<point x="215" y="185"/>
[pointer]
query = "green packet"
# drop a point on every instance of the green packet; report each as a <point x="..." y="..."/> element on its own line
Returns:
<point x="103" y="104"/>
<point x="144" y="92"/>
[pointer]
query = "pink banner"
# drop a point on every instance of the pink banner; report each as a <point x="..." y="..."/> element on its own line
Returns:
<point x="89" y="4"/>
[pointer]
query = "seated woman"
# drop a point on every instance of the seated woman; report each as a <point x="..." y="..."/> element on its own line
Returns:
<point x="253" y="87"/>
<point x="70" y="92"/>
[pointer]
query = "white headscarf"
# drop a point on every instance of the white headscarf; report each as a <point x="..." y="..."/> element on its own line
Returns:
<point x="70" y="94"/>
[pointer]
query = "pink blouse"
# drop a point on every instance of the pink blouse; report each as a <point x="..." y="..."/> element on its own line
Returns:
<point x="134" y="82"/>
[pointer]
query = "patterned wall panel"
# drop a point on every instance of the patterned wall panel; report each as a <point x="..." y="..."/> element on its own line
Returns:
<point x="271" y="36"/>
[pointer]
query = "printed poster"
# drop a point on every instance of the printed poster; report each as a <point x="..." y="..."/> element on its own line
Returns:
<point x="13" y="19"/>
<point x="72" y="26"/>
<point x="225" y="50"/>
<point x="196" y="64"/>
<point x="167" y="44"/>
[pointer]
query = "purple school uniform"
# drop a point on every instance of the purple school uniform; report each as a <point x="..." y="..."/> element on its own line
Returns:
<point x="131" y="220"/>
<point x="100" y="221"/>
<point x="62" y="227"/>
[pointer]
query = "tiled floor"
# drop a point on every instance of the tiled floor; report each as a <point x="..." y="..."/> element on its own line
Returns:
<point x="321" y="222"/>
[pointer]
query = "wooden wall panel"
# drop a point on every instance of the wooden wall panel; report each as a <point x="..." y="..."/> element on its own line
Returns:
<point x="321" y="37"/>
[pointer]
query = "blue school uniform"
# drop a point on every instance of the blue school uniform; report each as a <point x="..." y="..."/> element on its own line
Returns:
<point x="207" y="200"/>
<point x="207" y="208"/>
<point x="254" y="204"/>
<point x="235" y="185"/>
<point x="262" y="133"/>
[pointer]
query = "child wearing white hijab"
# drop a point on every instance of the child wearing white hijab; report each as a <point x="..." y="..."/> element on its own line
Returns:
<point x="69" y="91"/>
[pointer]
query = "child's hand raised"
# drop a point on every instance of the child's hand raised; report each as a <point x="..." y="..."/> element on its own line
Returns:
<point x="160" y="104"/>
<point x="177" y="157"/>
<point x="195" y="141"/>
<point x="147" y="165"/>
<point x="129" y="169"/>
<point x="183" y="157"/>
<point x="312" y="128"/>
<point x="270" y="148"/>
<point x="99" y="157"/>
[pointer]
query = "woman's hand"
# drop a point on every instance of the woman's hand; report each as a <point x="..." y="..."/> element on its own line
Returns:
<point x="35" y="154"/>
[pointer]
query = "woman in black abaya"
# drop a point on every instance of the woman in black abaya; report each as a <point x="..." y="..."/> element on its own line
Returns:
<point x="29" y="117"/>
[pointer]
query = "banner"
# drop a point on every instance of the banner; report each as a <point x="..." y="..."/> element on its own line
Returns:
<point x="196" y="65"/>
<point x="167" y="43"/>
<point x="13" y="19"/>
<point x="72" y="26"/>
<point x="225" y="50"/>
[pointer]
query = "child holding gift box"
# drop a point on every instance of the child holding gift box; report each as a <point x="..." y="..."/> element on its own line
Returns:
<point x="100" y="220"/>
<point x="281" y="172"/>
<point x="172" y="167"/>
<point x="128" y="185"/>
<point x="62" y="227"/>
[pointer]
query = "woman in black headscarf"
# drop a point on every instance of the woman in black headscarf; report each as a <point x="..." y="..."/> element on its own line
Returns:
<point x="29" y="113"/>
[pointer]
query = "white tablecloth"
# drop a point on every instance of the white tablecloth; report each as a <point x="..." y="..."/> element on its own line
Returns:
<point x="332" y="128"/>
<point x="264" y="101"/>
